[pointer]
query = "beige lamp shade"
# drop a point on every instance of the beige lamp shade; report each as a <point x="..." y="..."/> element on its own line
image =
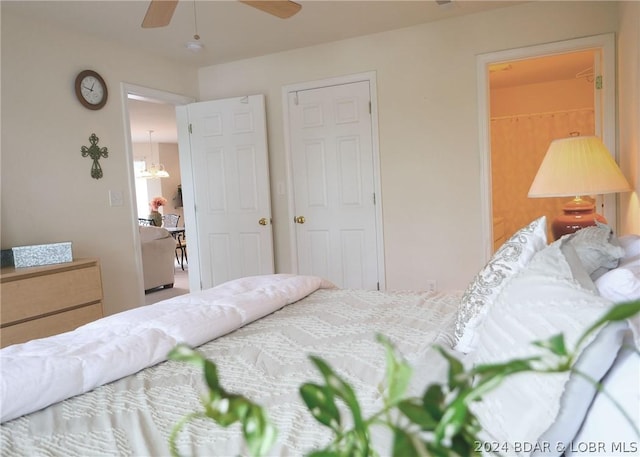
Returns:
<point x="578" y="165"/>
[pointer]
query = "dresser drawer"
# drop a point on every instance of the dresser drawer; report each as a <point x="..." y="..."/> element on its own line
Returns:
<point x="45" y="300"/>
<point x="42" y="295"/>
<point x="49" y="325"/>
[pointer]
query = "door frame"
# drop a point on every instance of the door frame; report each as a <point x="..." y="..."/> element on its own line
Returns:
<point x="605" y="42"/>
<point x="151" y="95"/>
<point x="369" y="76"/>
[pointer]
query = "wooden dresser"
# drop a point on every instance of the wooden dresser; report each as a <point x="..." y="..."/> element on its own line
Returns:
<point x="46" y="300"/>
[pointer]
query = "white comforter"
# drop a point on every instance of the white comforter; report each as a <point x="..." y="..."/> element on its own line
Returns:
<point x="39" y="373"/>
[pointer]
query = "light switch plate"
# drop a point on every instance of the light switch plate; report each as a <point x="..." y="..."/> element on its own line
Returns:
<point x="116" y="198"/>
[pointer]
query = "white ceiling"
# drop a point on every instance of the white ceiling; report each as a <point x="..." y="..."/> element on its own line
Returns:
<point x="223" y="26"/>
<point x="145" y="116"/>
<point x="231" y="30"/>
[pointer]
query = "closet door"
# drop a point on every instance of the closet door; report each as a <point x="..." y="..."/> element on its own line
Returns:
<point x="334" y="187"/>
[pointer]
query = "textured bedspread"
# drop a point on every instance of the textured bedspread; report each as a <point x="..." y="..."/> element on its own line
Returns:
<point x="266" y="361"/>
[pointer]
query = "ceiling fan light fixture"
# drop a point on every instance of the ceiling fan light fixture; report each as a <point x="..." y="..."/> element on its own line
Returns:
<point x="194" y="46"/>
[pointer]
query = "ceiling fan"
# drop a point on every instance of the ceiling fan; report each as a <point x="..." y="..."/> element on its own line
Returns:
<point x="160" y="12"/>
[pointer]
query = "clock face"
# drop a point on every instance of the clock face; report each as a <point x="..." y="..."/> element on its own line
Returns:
<point x="91" y="89"/>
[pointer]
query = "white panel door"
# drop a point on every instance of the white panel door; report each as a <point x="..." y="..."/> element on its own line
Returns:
<point x="229" y="166"/>
<point x="333" y="178"/>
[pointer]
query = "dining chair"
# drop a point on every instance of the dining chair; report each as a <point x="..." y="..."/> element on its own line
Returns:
<point x="170" y="220"/>
<point x="147" y="222"/>
<point x="181" y="245"/>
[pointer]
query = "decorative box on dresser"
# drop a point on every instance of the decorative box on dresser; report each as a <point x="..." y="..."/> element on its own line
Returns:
<point x="47" y="300"/>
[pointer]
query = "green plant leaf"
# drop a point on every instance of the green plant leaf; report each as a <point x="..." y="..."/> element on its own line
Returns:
<point x="437" y="450"/>
<point x="177" y="428"/>
<point x="618" y="312"/>
<point x="357" y="443"/>
<point x="321" y="404"/>
<point x="398" y="372"/>
<point x="403" y="444"/>
<point x="499" y="369"/>
<point x="453" y="420"/>
<point x="184" y="353"/>
<point x="258" y="432"/>
<point x="227" y="409"/>
<point x="211" y="375"/>
<point x="340" y="389"/>
<point x="417" y="414"/>
<point x="555" y="344"/>
<point x="325" y="453"/>
<point x="461" y="446"/>
<point x="456" y="369"/>
<point x="433" y="401"/>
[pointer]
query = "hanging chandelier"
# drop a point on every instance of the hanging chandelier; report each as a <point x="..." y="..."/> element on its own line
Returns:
<point x="154" y="171"/>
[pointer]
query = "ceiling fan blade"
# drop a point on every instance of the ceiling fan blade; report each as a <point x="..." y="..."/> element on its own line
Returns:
<point x="159" y="13"/>
<point x="279" y="8"/>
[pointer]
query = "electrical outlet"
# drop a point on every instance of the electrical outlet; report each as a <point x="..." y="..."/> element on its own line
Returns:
<point x="431" y="285"/>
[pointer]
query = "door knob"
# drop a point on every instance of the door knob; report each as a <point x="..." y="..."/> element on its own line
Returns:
<point x="299" y="219"/>
<point x="263" y="221"/>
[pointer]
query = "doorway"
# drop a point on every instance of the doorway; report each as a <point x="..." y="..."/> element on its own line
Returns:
<point x="152" y="141"/>
<point x="155" y="150"/>
<point x="532" y="102"/>
<point x="552" y="94"/>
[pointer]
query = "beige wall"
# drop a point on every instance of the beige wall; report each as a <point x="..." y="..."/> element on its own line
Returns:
<point x="629" y="112"/>
<point x="48" y="194"/>
<point x="428" y="124"/>
<point x="427" y="98"/>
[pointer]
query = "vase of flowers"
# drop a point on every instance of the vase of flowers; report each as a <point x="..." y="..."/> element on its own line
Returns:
<point x="155" y="215"/>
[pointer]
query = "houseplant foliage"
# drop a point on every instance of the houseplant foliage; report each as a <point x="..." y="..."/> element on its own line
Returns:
<point x="440" y="423"/>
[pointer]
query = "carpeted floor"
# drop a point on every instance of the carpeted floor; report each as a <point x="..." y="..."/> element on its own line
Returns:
<point x="180" y="287"/>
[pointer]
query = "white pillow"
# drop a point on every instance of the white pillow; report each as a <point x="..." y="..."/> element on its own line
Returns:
<point x="543" y="300"/>
<point x="630" y="244"/>
<point x="508" y="260"/>
<point x="604" y="425"/>
<point x="594" y="247"/>
<point x="577" y="269"/>
<point x="622" y="283"/>
<point x="595" y="361"/>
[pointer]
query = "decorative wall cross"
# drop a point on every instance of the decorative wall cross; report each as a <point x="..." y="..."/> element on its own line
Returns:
<point x="95" y="153"/>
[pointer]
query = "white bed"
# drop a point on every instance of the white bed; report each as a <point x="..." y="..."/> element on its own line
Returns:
<point x="105" y="388"/>
<point x="266" y="361"/>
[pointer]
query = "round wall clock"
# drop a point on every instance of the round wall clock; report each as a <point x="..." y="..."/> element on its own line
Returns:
<point x="91" y="89"/>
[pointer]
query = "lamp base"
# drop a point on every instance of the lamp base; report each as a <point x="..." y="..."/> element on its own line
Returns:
<point x="577" y="214"/>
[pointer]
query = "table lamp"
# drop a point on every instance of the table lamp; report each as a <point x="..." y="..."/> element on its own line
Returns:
<point x="577" y="166"/>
